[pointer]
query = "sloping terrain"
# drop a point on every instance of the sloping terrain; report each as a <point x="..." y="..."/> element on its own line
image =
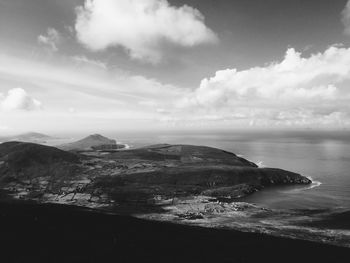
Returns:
<point x="186" y="154"/>
<point x="33" y="169"/>
<point x="181" y="170"/>
<point x="69" y="234"/>
<point x="17" y="157"/>
<point x="91" y="142"/>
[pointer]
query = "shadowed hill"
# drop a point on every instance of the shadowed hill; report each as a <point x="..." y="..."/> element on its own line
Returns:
<point x="24" y="154"/>
<point x="21" y="159"/>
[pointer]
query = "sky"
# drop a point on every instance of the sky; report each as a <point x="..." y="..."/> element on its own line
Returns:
<point x="109" y="65"/>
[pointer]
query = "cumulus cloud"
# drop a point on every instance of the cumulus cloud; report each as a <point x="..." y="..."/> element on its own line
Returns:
<point x="51" y="39"/>
<point x="114" y="94"/>
<point x="305" y="91"/>
<point x="295" y="89"/>
<point x="140" y="26"/>
<point x="18" y="99"/>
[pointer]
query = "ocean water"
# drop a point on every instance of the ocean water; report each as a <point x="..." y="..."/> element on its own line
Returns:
<point x="323" y="156"/>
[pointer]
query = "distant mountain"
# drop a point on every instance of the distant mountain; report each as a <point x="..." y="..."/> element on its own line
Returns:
<point x="27" y="137"/>
<point x="92" y="142"/>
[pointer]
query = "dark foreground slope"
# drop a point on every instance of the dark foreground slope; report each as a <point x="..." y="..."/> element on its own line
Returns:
<point x="54" y="233"/>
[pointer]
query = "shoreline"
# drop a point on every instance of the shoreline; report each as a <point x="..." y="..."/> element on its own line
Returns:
<point x="193" y="188"/>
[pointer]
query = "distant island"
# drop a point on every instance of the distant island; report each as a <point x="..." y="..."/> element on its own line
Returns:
<point x="34" y="137"/>
<point x="94" y="142"/>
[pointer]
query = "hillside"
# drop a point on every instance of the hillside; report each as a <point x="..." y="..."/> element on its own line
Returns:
<point x="135" y="176"/>
<point x="181" y="170"/>
<point x="21" y="161"/>
<point x="91" y="142"/>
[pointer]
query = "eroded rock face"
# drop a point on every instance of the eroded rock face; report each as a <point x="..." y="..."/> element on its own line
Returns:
<point x="132" y="177"/>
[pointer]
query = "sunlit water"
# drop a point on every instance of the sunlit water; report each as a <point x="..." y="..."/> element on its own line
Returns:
<point x="325" y="158"/>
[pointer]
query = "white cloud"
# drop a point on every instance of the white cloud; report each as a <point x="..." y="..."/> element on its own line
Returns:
<point x="293" y="78"/>
<point x="296" y="90"/>
<point x="51" y="39"/>
<point x="140" y="26"/>
<point x="18" y="99"/>
<point x="98" y="96"/>
<point x="88" y="78"/>
<point x="92" y="62"/>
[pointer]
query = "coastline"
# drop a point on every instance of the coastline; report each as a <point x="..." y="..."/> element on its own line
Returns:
<point x="193" y="186"/>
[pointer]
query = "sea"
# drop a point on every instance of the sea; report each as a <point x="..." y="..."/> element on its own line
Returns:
<point x="324" y="157"/>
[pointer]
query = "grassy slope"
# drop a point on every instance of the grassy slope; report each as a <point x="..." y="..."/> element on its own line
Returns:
<point x="30" y="160"/>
